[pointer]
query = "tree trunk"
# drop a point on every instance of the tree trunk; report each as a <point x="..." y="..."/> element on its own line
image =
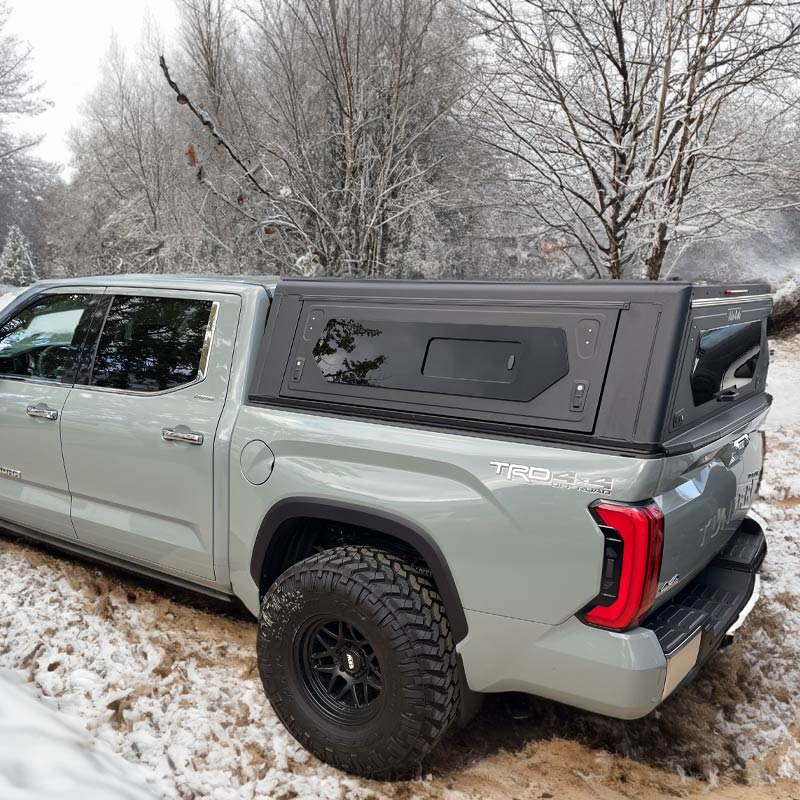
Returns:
<point x="655" y="261"/>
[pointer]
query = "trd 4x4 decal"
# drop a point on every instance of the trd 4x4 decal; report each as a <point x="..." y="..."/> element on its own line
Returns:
<point x="542" y="476"/>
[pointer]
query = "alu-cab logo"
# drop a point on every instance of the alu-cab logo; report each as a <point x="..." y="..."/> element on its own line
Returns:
<point x="542" y="476"/>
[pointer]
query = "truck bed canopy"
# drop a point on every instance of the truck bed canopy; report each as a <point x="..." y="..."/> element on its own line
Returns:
<point x="633" y="366"/>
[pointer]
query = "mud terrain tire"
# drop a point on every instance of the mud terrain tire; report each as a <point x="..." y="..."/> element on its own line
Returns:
<point x="358" y="660"/>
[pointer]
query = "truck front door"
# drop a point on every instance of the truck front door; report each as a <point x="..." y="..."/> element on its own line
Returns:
<point x="39" y="348"/>
<point x="138" y="429"/>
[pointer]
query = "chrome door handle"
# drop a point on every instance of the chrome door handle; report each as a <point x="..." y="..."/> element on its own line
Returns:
<point x="169" y="435"/>
<point x="42" y="413"/>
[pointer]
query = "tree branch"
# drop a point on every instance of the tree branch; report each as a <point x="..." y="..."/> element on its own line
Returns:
<point x="208" y="123"/>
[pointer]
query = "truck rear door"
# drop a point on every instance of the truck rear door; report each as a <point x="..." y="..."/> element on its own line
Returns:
<point x="139" y="427"/>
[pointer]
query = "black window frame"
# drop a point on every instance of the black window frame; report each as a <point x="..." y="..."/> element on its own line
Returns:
<point x="683" y="413"/>
<point x="745" y="381"/>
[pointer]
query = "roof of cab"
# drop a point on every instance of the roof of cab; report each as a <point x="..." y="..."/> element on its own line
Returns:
<point x="200" y="282"/>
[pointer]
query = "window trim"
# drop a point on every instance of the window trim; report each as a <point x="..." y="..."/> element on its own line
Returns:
<point x="202" y="374"/>
<point x="89" y="292"/>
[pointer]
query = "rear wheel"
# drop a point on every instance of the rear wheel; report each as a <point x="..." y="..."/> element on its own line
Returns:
<point x="358" y="661"/>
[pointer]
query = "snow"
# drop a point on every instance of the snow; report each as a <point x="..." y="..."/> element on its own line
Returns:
<point x="163" y="684"/>
<point x="783" y="381"/>
<point x="790" y="287"/>
<point x="46" y="754"/>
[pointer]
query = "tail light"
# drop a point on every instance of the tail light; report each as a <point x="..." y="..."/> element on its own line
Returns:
<point x="632" y="562"/>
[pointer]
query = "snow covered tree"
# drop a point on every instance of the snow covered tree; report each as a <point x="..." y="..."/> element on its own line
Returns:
<point x="24" y="179"/>
<point x="19" y="94"/>
<point x="16" y="266"/>
<point x="638" y="122"/>
<point x="340" y="129"/>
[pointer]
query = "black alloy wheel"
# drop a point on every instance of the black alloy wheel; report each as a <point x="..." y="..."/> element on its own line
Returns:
<point x="340" y="670"/>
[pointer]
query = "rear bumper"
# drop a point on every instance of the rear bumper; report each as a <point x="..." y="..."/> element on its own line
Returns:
<point x="709" y="611"/>
<point x="623" y="675"/>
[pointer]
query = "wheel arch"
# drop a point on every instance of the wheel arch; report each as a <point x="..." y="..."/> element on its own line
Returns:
<point x="271" y="541"/>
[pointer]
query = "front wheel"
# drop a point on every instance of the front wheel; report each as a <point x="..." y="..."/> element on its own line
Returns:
<point x="358" y="661"/>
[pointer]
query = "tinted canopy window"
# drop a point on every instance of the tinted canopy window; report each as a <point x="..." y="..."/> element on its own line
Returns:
<point x="43" y="341"/>
<point x="151" y="344"/>
<point x="726" y="360"/>
<point x="502" y="362"/>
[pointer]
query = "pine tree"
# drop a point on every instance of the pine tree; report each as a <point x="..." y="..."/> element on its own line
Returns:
<point x="16" y="266"/>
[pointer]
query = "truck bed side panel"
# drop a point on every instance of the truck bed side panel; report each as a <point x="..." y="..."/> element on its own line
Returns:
<point x="511" y="519"/>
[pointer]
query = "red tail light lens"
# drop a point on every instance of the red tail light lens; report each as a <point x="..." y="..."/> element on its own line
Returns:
<point x="641" y="530"/>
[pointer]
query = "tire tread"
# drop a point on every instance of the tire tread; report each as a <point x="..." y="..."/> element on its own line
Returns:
<point x="410" y="610"/>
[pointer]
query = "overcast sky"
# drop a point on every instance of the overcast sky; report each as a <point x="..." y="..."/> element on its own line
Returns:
<point x="69" y="39"/>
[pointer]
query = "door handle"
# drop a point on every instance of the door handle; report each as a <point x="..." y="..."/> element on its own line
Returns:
<point x="169" y="435"/>
<point x="42" y="413"/>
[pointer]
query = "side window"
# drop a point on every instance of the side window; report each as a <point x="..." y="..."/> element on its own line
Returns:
<point x="497" y="362"/>
<point x="43" y="340"/>
<point x="151" y="344"/>
<point x="727" y="359"/>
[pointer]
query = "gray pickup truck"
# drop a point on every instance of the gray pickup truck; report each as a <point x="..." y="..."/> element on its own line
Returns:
<point x="424" y="491"/>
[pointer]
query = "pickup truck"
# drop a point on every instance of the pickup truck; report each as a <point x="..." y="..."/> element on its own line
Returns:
<point x="423" y="491"/>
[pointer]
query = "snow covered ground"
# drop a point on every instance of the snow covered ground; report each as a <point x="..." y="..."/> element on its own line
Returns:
<point x="45" y="754"/>
<point x="170" y="684"/>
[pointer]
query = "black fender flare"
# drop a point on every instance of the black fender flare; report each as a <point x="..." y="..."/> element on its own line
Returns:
<point x="381" y="522"/>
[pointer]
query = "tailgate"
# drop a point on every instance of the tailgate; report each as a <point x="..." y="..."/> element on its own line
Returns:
<point x="714" y="456"/>
<point x="704" y="496"/>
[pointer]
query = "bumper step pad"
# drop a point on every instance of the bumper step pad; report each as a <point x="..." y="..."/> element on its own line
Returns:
<point x="745" y="550"/>
<point x="712" y="602"/>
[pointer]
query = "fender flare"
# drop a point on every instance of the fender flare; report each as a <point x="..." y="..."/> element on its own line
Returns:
<point x="380" y="522"/>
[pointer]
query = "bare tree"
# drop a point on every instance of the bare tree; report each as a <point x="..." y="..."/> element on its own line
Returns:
<point x="208" y="39"/>
<point x="24" y="179"/>
<point x="621" y="113"/>
<point x="125" y="159"/>
<point x="337" y="125"/>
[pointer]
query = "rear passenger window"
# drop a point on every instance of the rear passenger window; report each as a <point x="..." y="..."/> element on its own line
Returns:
<point x="517" y="364"/>
<point x="152" y="344"/>
<point x="726" y="360"/>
